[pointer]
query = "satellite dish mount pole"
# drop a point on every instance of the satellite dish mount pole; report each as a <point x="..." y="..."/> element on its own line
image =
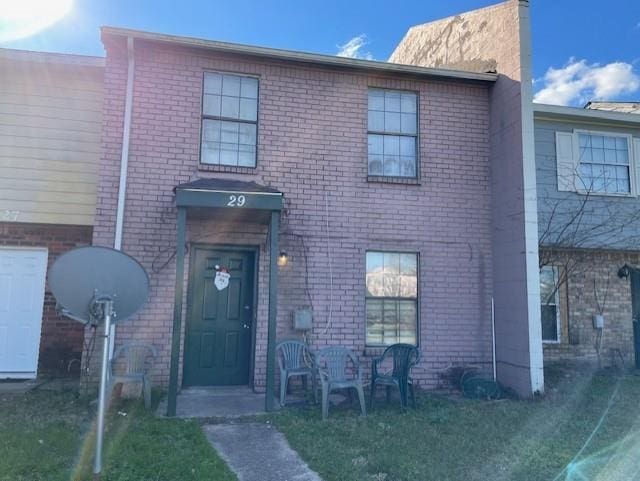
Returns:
<point x="113" y="290"/>
<point x="107" y="313"/>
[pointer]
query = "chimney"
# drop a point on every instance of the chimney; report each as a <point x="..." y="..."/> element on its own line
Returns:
<point x="497" y="38"/>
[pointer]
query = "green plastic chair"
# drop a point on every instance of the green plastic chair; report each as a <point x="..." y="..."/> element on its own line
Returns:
<point x="403" y="358"/>
<point x="293" y="360"/>
<point x="332" y="364"/>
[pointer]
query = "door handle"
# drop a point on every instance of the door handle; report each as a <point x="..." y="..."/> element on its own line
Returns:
<point x="246" y="326"/>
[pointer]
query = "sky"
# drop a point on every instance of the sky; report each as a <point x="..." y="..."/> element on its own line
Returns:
<point x="582" y="49"/>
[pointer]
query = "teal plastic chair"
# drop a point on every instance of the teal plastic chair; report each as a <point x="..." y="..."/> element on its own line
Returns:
<point x="295" y="359"/>
<point x="333" y="368"/>
<point x="403" y="357"/>
<point x="132" y="363"/>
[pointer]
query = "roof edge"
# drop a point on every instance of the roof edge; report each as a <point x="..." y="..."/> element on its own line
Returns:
<point x="302" y="57"/>
<point x="611" y="102"/>
<point x="559" y="112"/>
<point x="52" y="57"/>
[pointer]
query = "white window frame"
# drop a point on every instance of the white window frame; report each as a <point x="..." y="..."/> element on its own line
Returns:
<point x="205" y="116"/>
<point x="399" y="134"/>
<point x="633" y="181"/>
<point x="415" y="299"/>
<point x="556" y="273"/>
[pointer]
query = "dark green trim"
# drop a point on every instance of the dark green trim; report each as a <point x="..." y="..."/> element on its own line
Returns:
<point x="265" y="201"/>
<point x="177" y="312"/>
<point x="190" y="279"/>
<point x="274" y="227"/>
<point x="210" y="198"/>
<point x="254" y="323"/>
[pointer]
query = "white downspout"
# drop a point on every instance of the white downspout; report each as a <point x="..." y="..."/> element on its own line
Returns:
<point x="124" y="163"/>
<point x="493" y="340"/>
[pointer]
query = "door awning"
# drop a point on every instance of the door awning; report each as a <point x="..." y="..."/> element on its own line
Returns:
<point x="235" y="194"/>
<point x="231" y="200"/>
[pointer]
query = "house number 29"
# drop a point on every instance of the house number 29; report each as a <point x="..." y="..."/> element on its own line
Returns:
<point x="236" y="201"/>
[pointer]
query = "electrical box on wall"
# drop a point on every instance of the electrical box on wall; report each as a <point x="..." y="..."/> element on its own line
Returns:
<point x="302" y="319"/>
<point x="598" y="321"/>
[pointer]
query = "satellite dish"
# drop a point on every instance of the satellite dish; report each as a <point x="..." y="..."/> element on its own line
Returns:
<point x="98" y="284"/>
<point x="83" y="276"/>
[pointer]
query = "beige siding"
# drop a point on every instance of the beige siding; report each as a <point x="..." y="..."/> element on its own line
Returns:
<point x="50" y="122"/>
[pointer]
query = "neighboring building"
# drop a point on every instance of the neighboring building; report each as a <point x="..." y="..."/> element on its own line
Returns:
<point x="588" y="176"/>
<point x="623" y="107"/>
<point x="373" y="178"/>
<point x="50" y="123"/>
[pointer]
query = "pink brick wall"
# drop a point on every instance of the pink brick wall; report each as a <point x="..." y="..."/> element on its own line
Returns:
<point x="498" y="37"/>
<point x="312" y="143"/>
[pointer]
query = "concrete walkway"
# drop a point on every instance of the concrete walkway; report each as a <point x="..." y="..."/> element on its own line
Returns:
<point x="254" y="451"/>
<point x="258" y="452"/>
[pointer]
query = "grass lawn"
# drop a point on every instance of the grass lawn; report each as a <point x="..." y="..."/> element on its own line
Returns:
<point x="47" y="435"/>
<point x="586" y="428"/>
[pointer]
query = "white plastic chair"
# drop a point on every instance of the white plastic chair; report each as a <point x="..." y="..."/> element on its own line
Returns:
<point x="136" y="366"/>
<point x="292" y="359"/>
<point x="332" y="363"/>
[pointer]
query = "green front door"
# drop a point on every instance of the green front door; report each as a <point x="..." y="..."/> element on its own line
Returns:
<point x="219" y="321"/>
<point x="635" y="313"/>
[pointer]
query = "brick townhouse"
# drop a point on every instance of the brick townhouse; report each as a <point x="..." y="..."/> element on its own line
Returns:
<point x="588" y="176"/>
<point x="364" y="195"/>
<point x="274" y="194"/>
<point x="347" y="202"/>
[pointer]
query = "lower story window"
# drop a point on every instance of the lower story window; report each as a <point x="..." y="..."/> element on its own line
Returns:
<point x="391" y="298"/>
<point x="550" y="304"/>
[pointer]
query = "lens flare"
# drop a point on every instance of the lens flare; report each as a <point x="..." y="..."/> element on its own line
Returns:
<point x="23" y="18"/>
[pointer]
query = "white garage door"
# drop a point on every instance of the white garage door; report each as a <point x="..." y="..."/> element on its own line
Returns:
<point x="22" y="278"/>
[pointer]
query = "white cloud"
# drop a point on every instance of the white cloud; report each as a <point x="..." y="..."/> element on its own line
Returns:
<point x="578" y="82"/>
<point x="354" y="48"/>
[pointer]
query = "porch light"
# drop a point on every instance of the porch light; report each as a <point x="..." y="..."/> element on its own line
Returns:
<point x="283" y="259"/>
<point x="624" y="272"/>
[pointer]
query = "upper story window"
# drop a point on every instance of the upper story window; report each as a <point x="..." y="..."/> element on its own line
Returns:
<point x="604" y="163"/>
<point x="393" y="133"/>
<point x="596" y="162"/>
<point x="229" y="120"/>
<point x="391" y="298"/>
